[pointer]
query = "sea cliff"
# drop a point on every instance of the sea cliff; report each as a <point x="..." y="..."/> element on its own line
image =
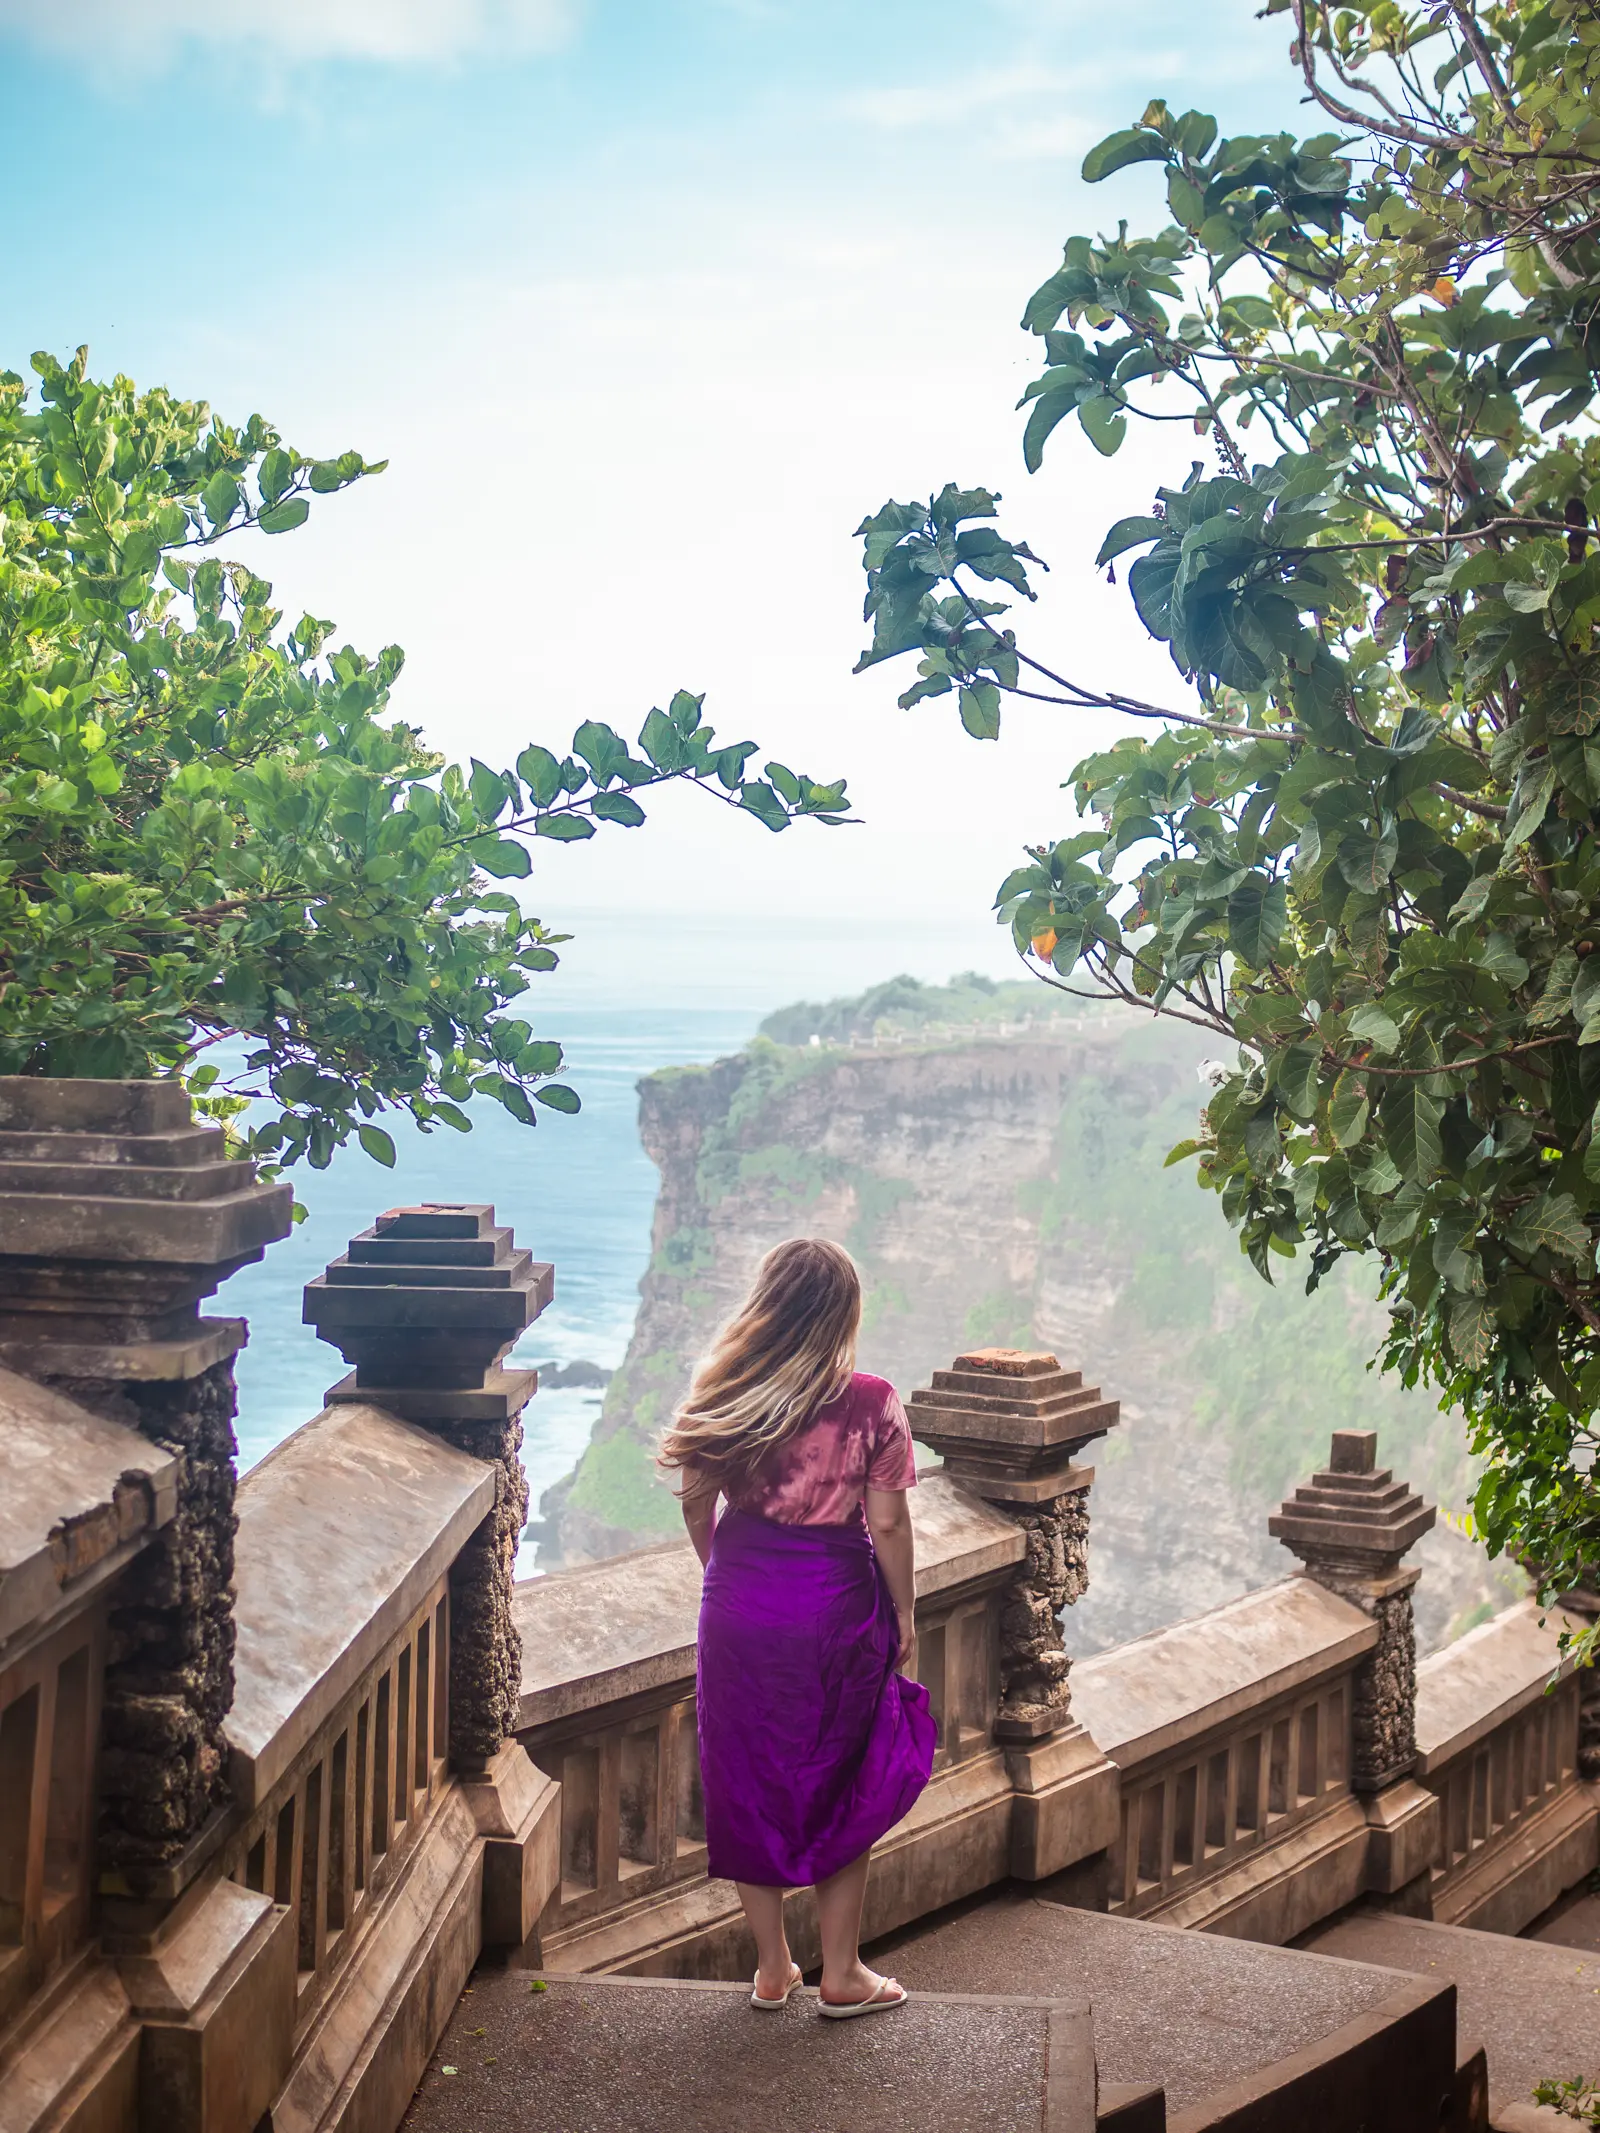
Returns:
<point x="1001" y="1183"/>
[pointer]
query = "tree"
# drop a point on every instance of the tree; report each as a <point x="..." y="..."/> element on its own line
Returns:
<point x="1366" y="851"/>
<point x="211" y="827"/>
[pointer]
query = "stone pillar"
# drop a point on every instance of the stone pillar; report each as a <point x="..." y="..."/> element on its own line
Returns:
<point x="118" y="1214"/>
<point x="1008" y="1425"/>
<point x="426" y="1304"/>
<point x="1350" y="1525"/>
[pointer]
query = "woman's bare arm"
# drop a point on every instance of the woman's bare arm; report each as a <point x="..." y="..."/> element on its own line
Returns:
<point x="700" y="1516"/>
<point x="889" y="1523"/>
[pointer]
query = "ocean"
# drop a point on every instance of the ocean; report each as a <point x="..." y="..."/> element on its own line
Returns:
<point x="577" y="1191"/>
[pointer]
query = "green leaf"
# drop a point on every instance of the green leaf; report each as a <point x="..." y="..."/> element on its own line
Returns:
<point x="220" y="498"/>
<point x="1411" y="1130"/>
<point x="1262" y="1145"/>
<point x="1118" y="150"/>
<point x="283" y="518"/>
<point x="759" y="799"/>
<point x="1367" y="862"/>
<point x="540" y="771"/>
<point x="489" y="791"/>
<point x="558" y="1097"/>
<point x="662" y="742"/>
<point x="617" y="807"/>
<point x="1348" y="1110"/>
<point x="1258" y="917"/>
<point x="502" y="857"/>
<point x="1104" y="422"/>
<point x="1552" y="1223"/>
<point x="566" y="829"/>
<point x="1128" y="533"/>
<point x="980" y="711"/>
<point x="1472" y="1332"/>
<point x="1572" y="701"/>
<point x="1534" y="790"/>
<point x="1370" y="1025"/>
<point x="275" y="475"/>
<point x="1297" y="1079"/>
<point x="377" y="1144"/>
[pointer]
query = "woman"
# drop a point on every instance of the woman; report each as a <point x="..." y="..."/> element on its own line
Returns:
<point x="813" y="1740"/>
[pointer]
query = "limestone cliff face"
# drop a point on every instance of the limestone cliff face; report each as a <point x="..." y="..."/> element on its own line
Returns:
<point x="1011" y="1191"/>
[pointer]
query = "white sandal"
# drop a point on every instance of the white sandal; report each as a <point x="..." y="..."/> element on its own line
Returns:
<point x="888" y="1992"/>
<point x="796" y="1980"/>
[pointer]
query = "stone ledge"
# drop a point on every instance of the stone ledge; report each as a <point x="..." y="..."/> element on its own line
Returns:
<point x="1145" y="1698"/>
<point x="1484" y="1678"/>
<point x="342" y="1530"/>
<point x="214" y="1340"/>
<point x="81" y="1494"/>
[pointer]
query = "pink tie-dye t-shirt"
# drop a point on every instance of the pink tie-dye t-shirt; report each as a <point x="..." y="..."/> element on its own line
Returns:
<point x="859" y="1441"/>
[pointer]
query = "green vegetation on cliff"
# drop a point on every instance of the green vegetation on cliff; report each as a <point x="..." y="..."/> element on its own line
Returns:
<point x="906" y="1007"/>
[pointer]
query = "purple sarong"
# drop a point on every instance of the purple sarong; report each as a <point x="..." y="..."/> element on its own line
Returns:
<point x="811" y="1745"/>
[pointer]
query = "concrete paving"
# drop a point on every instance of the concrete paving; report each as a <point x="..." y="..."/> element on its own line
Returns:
<point x="1535" y="2005"/>
<point x="1237" y="2032"/>
<point x="642" y="2055"/>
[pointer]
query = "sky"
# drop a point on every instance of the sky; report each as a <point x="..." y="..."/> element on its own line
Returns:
<point x="647" y="303"/>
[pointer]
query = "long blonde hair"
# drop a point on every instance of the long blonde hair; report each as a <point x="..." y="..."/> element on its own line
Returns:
<point x="787" y="1351"/>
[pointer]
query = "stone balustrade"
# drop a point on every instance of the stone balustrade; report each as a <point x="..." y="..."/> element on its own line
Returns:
<point x="1232" y="1733"/>
<point x="1498" y="1746"/>
<point x="607" y="1709"/>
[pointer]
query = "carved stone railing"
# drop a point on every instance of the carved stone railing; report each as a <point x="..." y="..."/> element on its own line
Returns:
<point x="1497" y="1738"/>
<point x="1232" y="1733"/>
<point x="608" y="1710"/>
<point x="81" y="1499"/>
<point x="338" y="1735"/>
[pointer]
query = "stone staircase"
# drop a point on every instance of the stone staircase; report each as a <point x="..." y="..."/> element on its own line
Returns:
<point x="1026" y="2014"/>
<point x="1534" y="2003"/>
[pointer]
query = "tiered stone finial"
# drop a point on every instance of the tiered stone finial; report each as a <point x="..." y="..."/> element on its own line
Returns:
<point x="118" y="1215"/>
<point x="1350" y="1525"/>
<point x="426" y="1304"/>
<point x="1008" y="1424"/>
<point x="1009" y="1421"/>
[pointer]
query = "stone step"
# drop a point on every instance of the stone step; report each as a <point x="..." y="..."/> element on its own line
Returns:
<point x="665" y="2055"/>
<point x="1241" y="2036"/>
<point x="1535" y="2003"/>
<point x="190" y="1144"/>
<point x="360" y="1273"/>
<point x="430" y="1251"/>
<point x="127" y="1181"/>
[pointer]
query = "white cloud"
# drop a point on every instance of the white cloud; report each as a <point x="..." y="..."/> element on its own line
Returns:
<point x="962" y="96"/>
<point x="403" y="31"/>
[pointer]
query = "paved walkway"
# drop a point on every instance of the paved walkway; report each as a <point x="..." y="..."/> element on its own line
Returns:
<point x="641" y="2055"/>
